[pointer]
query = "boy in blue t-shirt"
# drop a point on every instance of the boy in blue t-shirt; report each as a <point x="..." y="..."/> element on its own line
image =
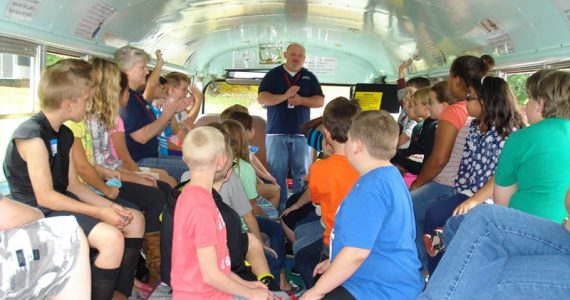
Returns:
<point x="373" y="252"/>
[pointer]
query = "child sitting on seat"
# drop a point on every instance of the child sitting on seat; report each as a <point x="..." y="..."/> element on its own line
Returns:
<point x="534" y="168"/>
<point x="261" y="206"/>
<point x="175" y="87"/>
<point x="496" y="116"/>
<point x="267" y="186"/>
<point x="423" y="142"/>
<point x="201" y="267"/>
<point x="330" y="180"/>
<point x="41" y="174"/>
<point x="263" y="209"/>
<point x="406" y="123"/>
<point x="373" y="254"/>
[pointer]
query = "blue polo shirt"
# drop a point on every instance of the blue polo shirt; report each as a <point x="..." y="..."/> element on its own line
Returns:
<point x="136" y="115"/>
<point x="280" y="118"/>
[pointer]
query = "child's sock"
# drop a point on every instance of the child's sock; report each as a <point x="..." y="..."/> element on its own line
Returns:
<point x="126" y="277"/>
<point x="103" y="283"/>
<point x="267" y="279"/>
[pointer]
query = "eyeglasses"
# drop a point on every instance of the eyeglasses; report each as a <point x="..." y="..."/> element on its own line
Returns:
<point x="469" y="97"/>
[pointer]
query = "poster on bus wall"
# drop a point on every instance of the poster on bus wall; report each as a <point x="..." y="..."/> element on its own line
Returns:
<point x="321" y="65"/>
<point x="270" y="54"/>
<point x="243" y="59"/>
<point x="90" y="24"/>
<point x="564" y="6"/>
<point x="22" y="9"/>
<point x="499" y="40"/>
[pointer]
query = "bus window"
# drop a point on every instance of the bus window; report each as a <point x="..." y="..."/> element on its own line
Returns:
<point x="517" y="83"/>
<point x="15" y="83"/>
<point x="52" y="58"/>
<point x="19" y="70"/>
<point x="220" y="95"/>
<point x="16" y="74"/>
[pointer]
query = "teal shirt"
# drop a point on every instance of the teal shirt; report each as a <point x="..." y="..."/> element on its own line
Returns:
<point x="537" y="159"/>
<point x="248" y="179"/>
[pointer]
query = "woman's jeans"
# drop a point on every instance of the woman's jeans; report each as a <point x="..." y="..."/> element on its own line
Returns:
<point x="496" y="252"/>
<point x="171" y="164"/>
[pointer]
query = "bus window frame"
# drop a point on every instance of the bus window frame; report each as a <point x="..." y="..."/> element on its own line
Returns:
<point x="37" y="54"/>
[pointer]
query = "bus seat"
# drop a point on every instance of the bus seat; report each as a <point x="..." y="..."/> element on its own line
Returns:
<point x="259" y="124"/>
<point x="207" y="119"/>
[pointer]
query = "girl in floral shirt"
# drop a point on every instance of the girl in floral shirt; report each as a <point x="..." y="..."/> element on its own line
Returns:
<point x="496" y="116"/>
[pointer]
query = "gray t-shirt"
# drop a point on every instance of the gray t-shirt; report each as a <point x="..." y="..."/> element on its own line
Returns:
<point x="233" y="195"/>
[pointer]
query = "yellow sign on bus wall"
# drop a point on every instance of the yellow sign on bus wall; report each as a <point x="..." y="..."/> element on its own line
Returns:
<point x="369" y="100"/>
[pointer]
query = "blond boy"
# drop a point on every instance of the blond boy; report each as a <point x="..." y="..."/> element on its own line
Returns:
<point x="201" y="267"/>
<point x="41" y="174"/>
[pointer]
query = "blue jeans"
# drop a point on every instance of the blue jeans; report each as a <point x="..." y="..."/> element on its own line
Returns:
<point x="495" y="252"/>
<point x="307" y="258"/>
<point x="306" y="234"/>
<point x="284" y="152"/>
<point x="173" y="165"/>
<point x="436" y="216"/>
<point x="276" y="238"/>
<point x="422" y="198"/>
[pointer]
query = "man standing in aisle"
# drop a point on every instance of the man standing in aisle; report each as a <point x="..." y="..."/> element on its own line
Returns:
<point x="289" y="91"/>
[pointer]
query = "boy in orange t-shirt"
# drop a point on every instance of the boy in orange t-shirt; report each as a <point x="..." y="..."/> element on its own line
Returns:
<point x="330" y="180"/>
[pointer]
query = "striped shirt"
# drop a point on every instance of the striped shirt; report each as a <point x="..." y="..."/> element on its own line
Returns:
<point x="455" y="114"/>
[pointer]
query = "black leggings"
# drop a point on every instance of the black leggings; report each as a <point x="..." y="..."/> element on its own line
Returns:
<point x="148" y="199"/>
<point x="297" y="215"/>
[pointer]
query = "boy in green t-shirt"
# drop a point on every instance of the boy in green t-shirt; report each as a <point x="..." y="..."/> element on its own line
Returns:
<point x="533" y="172"/>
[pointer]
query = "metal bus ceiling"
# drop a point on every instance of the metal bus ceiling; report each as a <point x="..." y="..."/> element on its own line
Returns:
<point x="346" y="41"/>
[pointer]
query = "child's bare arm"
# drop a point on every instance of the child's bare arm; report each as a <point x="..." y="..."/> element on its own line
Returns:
<point x="344" y="265"/>
<point x="502" y="194"/>
<point x="207" y="259"/>
<point x="304" y="199"/>
<point x="88" y="172"/>
<point x="109" y="209"/>
<point x="249" y="284"/>
<point x="479" y="197"/>
<point x="120" y="144"/>
<point x="403" y="66"/>
<point x="34" y="152"/>
<point x="195" y="109"/>
<point x="314" y="123"/>
<point x="256" y="209"/>
<point x="252" y="225"/>
<point x="403" y="139"/>
<point x="261" y="171"/>
<point x="442" y="148"/>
